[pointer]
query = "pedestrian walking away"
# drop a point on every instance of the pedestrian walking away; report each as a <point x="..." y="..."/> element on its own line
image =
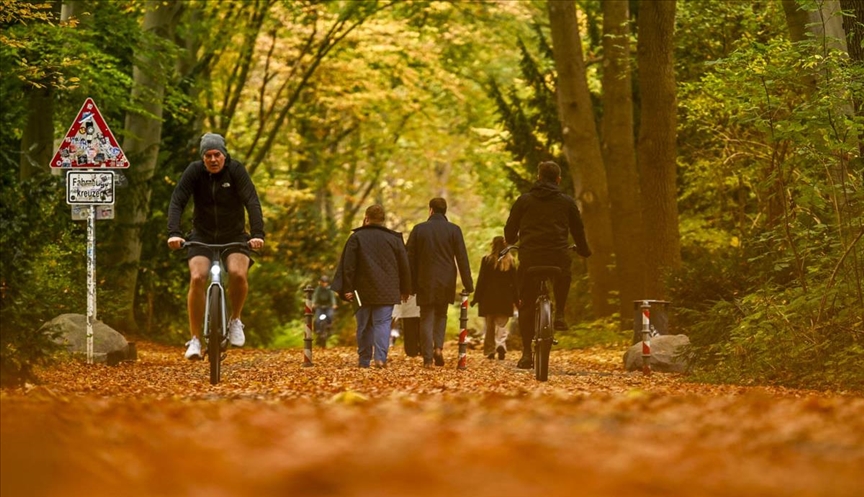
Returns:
<point x="373" y="274"/>
<point x="436" y="249"/>
<point x="496" y="296"/>
<point x="222" y="193"/>
<point x="541" y="221"/>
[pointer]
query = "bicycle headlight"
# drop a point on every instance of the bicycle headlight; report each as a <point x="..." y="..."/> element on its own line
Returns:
<point x="322" y="317"/>
<point x="215" y="270"/>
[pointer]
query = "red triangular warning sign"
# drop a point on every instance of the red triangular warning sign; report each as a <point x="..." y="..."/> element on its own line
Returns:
<point x="89" y="143"/>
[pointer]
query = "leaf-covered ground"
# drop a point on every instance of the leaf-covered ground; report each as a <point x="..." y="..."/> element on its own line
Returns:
<point x="157" y="427"/>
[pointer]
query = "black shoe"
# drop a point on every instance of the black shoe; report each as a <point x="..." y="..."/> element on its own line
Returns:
<point x="438" y="356"/>
<point x="490" y="356"/>
<point x="501" y="352"/>
<point x="560" y="324"/>
<point x="526" y="362"/>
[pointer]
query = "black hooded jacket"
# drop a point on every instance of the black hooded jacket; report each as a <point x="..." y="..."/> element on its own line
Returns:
<point x="221" y="201"/>
<point x="541" y="220"/>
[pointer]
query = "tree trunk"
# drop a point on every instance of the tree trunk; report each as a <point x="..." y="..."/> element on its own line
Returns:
<point x="853" y="26"/>
<point x="619" y="155"/>
<point x="582" y="146"/>
<point x="143" y="133"/>
<point x="37" y="139"/>
<point x="656" y="148"/>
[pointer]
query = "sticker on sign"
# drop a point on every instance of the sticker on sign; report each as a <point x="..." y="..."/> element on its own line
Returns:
<point x="82" y="212"/>
<point x="90" y="187"/>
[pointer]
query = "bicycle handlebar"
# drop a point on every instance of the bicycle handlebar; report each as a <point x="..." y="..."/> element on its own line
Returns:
<point x="215" y="246"/>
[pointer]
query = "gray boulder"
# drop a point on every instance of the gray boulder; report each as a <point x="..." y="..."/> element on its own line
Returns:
<point x="667" y="354"/>
<point x="109" y="346"/>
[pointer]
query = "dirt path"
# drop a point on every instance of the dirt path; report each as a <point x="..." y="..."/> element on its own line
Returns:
<point x="156" y="427"/>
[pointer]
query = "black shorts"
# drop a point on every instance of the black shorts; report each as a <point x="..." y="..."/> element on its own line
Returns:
<point x="208" y="253"/>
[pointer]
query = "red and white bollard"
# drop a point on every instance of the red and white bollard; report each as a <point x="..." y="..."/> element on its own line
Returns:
<point x="463" y="333"/>
<point x="646" y="338"/>
<point x="307" y="335"/>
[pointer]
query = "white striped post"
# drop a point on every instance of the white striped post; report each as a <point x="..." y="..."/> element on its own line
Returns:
<point x="646" y="337"/>
<point x="307" y="335"/>
<point x="463" y="333"/>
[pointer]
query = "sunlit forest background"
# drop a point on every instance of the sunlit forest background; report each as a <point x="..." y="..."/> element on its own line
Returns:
<point x="714" y="147"/>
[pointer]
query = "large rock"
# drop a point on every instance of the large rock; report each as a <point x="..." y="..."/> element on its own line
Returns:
<point x="71" y="329"/>
<point x="667" y="354"/>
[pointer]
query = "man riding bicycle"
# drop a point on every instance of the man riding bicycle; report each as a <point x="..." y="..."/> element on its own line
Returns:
<point x="540" y="222"/>
<point x="324" y="302"/>
<point x="222" y="192"/>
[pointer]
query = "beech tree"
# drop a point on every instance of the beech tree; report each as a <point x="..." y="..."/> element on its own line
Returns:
<point x="656" y="149"/>
<point x="582" y="146"/>
<point x="143" y="132"/>
<point x="619" y="156"/>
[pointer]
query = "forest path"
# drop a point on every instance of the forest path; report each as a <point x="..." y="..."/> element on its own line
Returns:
<point x="156" y="427"/>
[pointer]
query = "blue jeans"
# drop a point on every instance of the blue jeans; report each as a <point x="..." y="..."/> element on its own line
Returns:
<point x="433" y="324"/>
<point x="373" y="332"/>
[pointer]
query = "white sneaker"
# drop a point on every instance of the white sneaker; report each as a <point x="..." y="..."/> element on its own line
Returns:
<point x="235" y="333"/>
<point x="193" y="351"/>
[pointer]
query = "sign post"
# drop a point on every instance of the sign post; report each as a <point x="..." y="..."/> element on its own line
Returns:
<point x="89" y="152"/>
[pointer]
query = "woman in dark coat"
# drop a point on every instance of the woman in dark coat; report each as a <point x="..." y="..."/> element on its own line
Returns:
<point x="496" y="294"/>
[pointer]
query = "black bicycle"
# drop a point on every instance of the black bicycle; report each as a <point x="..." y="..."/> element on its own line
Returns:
<point x="215" y="332"/>
<point x="544" y="331"/>
<point x="322" y="326"/>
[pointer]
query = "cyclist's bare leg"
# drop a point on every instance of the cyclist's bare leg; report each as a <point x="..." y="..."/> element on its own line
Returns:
<point x="238" y="283"/>
<point x="199" y="267"/>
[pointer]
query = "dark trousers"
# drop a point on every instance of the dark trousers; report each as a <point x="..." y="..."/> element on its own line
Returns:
<point x="433" y="324"/>
<point x="411" y="336"/>
<point x="529" y="289"/>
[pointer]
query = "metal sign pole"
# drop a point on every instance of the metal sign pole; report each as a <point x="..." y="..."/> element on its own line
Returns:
<point x="91" y="280"/>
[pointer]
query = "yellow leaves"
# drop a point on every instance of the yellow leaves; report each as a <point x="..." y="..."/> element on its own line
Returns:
<point x="349" y="397"/>
<point x="273" y="427"/>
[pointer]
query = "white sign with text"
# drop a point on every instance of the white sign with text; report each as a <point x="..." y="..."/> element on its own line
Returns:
<point x="90" y="187"/>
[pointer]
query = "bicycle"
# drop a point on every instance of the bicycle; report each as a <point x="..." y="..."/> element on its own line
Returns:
<point x="544" y="331"/>
<point x="322" y="327"/>
<point x="215" y="310"/>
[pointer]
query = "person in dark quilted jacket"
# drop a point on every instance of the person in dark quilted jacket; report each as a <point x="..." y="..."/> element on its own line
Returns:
<point x="373" y="275"/>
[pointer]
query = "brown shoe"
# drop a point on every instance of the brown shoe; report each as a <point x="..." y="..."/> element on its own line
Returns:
<point x="438" y="356"/>
<point x="380" y="364"/>
<point x="427" y="364"/>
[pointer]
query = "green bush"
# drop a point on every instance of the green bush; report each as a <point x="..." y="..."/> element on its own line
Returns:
<point x="42" y="271"/>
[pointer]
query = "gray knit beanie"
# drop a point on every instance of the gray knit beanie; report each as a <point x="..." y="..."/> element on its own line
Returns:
<point x="212" y="141"/>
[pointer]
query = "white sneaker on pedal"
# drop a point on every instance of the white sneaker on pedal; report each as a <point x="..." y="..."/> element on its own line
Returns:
<point x="235" y="333"/>
<point x="193" y="349"/>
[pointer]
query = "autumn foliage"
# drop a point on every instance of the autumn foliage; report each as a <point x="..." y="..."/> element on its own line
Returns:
<point x="157" y="427"/>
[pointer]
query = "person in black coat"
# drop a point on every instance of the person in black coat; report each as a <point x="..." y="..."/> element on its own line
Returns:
<point x="435" y="250"/>
<point x="497" y="296"/>
<point x="373" y="273"/>
<point x="541" y="221"/>
<point x="223" y="194"/>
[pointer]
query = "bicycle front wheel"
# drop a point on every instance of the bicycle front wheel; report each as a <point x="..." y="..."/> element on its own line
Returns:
<point x="216" y="327"/>
<point x="543" y="340"/>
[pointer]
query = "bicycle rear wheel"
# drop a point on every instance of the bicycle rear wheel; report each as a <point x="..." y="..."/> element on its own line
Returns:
<point x="543" y="340"/>
<point x="216" y="327"/>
